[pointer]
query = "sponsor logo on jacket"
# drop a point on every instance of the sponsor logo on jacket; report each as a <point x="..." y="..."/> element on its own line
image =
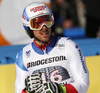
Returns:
<point x="46" y="61"/>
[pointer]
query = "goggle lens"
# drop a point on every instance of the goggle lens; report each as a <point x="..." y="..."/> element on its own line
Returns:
<point x="38" y="22"/>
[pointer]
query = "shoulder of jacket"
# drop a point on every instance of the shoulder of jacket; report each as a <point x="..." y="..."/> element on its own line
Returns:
<point x="27" y="46"/>
<point x="23" y="50"/>
<point x="67" y="41"/>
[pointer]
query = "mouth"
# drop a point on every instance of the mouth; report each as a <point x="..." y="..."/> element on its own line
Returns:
<point x="44" y="34"/>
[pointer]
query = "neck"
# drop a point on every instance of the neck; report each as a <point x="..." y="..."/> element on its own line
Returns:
<point x="38" y="43"/>
<point x="42" y="45"/>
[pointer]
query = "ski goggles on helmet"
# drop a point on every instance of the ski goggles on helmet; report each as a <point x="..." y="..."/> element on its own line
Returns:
<point x="38" y="22"/>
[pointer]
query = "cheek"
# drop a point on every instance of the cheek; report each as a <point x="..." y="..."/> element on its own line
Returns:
<point x="35" y="33"/>
<point x="50" y="30"/>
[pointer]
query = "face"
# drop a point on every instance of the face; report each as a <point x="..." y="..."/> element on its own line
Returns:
<point x="42" y="35"/>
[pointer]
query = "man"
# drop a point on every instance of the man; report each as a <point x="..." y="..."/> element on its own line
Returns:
<point x="50" y="64"/>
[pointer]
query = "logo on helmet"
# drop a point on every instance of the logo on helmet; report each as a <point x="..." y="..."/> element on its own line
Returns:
<point x="38" y="8"/>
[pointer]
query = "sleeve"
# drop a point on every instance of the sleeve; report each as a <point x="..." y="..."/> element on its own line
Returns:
<point x="21" y="73"/>
<point x="78" y="69"/>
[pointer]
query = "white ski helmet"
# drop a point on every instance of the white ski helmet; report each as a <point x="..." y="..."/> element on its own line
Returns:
<point x="34" y="10"/>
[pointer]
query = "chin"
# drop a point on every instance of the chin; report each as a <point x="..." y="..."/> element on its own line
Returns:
<point x="45" y="41"/>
